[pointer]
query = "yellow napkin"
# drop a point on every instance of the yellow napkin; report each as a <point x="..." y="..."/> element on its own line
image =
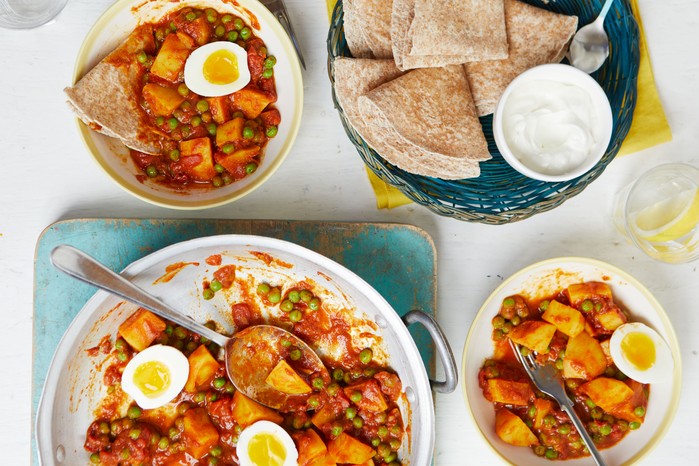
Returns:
<point x="649" y="127"/>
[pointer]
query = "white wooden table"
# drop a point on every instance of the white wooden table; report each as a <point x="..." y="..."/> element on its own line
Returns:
<point x="46" y="175"/>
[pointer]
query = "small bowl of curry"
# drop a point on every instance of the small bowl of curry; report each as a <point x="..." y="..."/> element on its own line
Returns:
<point x="172" y="137"/>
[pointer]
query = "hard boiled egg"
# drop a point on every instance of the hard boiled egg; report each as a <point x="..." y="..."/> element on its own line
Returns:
<point x="265" y="443"/>
<point x="155" y="376"/>
<point x="641" y="354"/>
<point x="217" y="69"/>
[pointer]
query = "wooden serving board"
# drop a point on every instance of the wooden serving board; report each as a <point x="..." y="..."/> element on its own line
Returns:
<point x="399" y="261"/>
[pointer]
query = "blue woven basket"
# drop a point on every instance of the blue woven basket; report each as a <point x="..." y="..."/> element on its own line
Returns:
<point x="501" y="194"/>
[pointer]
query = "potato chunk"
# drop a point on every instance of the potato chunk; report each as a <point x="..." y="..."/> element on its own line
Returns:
<point x="247" y="412"/>
<point x="230" y="131"/>
<point x="607" y="393"/>
<point x="543" y="408"/>
<point x="509" y="392"/>
<point x="198" y="434"/>
<point x="584" y="358"/>
<point x="219" y="108"/>
<point x="347" y="449"/>
<point x="566" y="319"/>
<point x="579" y="292"/>
<point x="611" y="319"/>
<point x="141" y="329"/>
<point x="310" y="446"/>
<point x="202" y="368"/>
<point x="232" y="162"/>
<point x="285" y="379"/>
<point x="251" y="102"/>
<point x="161" y="100"/>
<point x="511" y="429"/>
<point x="533" y="334"/>
<point x="169" y="62"/>
<point x="197" y="159"/>
<point x="372" y="398"/>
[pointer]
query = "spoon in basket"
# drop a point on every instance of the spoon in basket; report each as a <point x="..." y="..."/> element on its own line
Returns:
<point x="590" y="46"/>
<point x="250" y="354"/>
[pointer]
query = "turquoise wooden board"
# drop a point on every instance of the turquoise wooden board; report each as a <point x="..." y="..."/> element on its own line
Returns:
<point x="397" y="260"/>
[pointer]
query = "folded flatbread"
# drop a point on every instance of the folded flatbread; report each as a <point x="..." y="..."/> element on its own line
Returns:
<point x="106" y="98"/>
<point x="428" y="33"/>
<point x="354" y="78"/>
<point x="354" y="33"/>
<point x="374" y="17"/>
<point x="536" y="37"/>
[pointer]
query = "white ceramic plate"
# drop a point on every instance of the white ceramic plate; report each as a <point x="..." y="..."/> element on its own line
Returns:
<point x="117" y="23"/>
<point x="546" y="278"/>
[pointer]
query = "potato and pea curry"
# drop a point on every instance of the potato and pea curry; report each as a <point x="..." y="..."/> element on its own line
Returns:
<point x="351" y="416"/>
<point x="571" y="330"/>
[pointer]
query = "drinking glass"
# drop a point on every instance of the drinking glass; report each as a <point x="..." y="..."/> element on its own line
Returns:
<point x="659" y="212"/>
<point x="27" y="14"/>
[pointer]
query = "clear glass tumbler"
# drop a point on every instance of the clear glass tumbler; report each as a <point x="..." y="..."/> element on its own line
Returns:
<point x="27" y="14"/>
<point x="659" y="212"/>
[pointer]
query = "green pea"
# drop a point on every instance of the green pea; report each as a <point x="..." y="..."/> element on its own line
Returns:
<point x="623" y="425"/>
<point x="219" y="383"/>
<point x="286" y="306"/>
<point x="516" y="320"/>
<point x="104" y="428"/>
<point x="248" y="132"/>
<point x="539" y="450"/>
<point x="196" y="121"/>
<point x="125" y="454"/>
<point x="228" y="148"/>
<point x="634" y="425"/>
<point x="564" y="429"/>
<point x="245" y="33"/>
<point x="382" y="431"/>
<point x="180" y="333"/>
<point x="318" y="383"/>
<point x="219" y="168"/>
<point x="151" y="171"/>
<point x="215" y="451"/>
<point x="238" y="114"/>
<point x="163" y="443"/>
<point x="295" y="354"/>
<point x="202" y="106"/>
<point x="508" y="302"/>
<point x="275" y="295"/>
<point x="134" y="412"/>
<point x="232" y="36"/>
<point x="225" y="19"/>
<point x="639" y="411"/>
<point x="230" y="388"/>
<point x="531" y="412"/>
<point x="211" y="129"/>
<point x="544" y="305"/>
<point x="338" y="374"/>
<point x="208" y="293"/>
<point x="559" y="364"/>
<point x="524" y="351"/>
<point x="190" y="16"/>
<point x="395" y="444"/>
<point x="498" y="321"/>
<point x="271" y="131"/>
<point x="262" y="51"/>
<point x="227" y="179"/>
<point x="596" y="413"/>
<point x="587" y="305"/>
<point x="191" y="346"/>
<point x="598" y="306"/>
<point x="173" y="123"/>
<point x="270" y="62"/>
<point x="134" y="434"/>
<point x="215" y="285"/>
<point x="95" y="458"/>
<point x="120" y="344"/>
<point x="605" y="429"/>
<point x="333" y="389"/>
<point x="238" y="24"/>
<point x="313" y="402"/>
<point x="366" y="355"/>
<point x="217" y="181"/>
<point x="358" y="422"/>
<point x="174" y="155"/>
<point x="549" y="420"/>
<point x="173" y="28"/>
<point x="295" y="315"/>
<point x="336" y="430"/>
<point x="356" y="397"/>
<point x="391" y="458"/>
<point x="142" y="57"/>
<point x="183" y="90"/>
<point x="250" y="168"/>
<point x="590" y="404"/>
<point x="268" y="73"/>
<point x="200" y="397"/>
<point x="160" y="121"/>
<point x="551" y="454"/>
<point x="314" y="304"/>
<point x="219" y="31"/>
<point x="211" y="15"/>
<point x="375" y="442"/>
<point x="262" y="289"/>
<point x="294" y="296"/>
<point x="350" y="412"/>
<point x="305" y="296"/>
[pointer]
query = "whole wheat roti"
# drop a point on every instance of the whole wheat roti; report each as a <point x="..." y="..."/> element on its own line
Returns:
<point x="374" y="18"/>
<point x="354" y="33"/>
<point x="106" y="98"/>
<point x="354" y="77"/>
<point x="433" y="109"/>
<point x="536" y="37"/>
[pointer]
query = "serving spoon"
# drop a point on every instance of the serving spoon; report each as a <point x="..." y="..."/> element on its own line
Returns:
<point x="590" y="46"/>
<point x="250" y="354"/>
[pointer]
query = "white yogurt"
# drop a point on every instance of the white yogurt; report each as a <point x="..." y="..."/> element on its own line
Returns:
<point x="550" y="126"/>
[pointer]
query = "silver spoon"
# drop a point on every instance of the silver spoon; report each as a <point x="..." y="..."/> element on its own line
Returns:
<point x="250" y="354"/>
<point x="590" y="46"/>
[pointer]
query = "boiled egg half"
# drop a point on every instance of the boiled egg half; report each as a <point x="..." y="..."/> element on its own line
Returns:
<point x="641" y="354"/>
<point x="216" y="69"/>
<point x="265" y="443"/>
<point x="155" y="376"/>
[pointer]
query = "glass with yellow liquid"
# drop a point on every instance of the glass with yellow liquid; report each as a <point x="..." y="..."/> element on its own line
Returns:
<point x="659" y="212"/>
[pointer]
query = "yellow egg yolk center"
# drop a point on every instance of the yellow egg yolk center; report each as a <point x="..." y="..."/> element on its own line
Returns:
<point x="265" y="449"/>
<point x="152" y="378"/>
<point x="221" y="67"/>
<point x="638" y="349"/>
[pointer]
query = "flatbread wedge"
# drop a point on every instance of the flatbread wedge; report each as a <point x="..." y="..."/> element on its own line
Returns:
<point x="536" y="37"/>
<point x="374" y="18"/>
<point x="106" y="98"/>
<point x="354" y="33"/>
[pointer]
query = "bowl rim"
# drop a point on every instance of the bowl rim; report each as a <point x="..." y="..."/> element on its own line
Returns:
<point x="578" y="77"/>
<point x="672" y="342"/>
<point x="264" y="17"/>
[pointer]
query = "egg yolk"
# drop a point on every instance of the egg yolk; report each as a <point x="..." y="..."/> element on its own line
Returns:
<point x="638" y="349"/>
<point x="152" y="378"/>
<point x="221" y="67"/>
<point x="265" y="449"/>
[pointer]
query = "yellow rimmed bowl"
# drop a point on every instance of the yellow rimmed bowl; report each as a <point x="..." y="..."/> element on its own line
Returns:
<point x="114" y="158"/>
<point x="544" y="279"/>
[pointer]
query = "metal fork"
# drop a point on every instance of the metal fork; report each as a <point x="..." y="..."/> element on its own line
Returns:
<point x="547" y="379"/>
